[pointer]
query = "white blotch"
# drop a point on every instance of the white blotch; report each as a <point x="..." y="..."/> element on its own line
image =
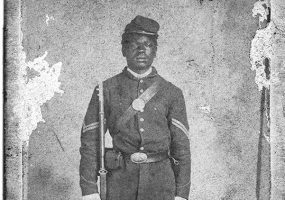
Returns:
<point x="49" y="18"/>
<point x="261" y="46"/>
<point x="205" y="109"/>
<point x="259" y="9"/>
<point x="32" y="94"/>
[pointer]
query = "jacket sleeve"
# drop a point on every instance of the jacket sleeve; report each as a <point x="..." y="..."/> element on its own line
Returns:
<point x="180" y="145"/>
<point x="90" y="147"/>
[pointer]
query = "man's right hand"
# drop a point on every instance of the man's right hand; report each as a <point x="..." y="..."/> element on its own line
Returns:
<point x="95" y="196"/>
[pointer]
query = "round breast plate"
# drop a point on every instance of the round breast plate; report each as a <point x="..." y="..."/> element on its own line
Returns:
<point x="138" y="105"/>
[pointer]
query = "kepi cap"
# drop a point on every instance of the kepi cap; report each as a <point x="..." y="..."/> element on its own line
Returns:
<point x="142" y="25"/>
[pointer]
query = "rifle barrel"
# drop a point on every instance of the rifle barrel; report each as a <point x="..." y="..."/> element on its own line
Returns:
<point x="102" y="171"/>
<point x="102" y="132"/>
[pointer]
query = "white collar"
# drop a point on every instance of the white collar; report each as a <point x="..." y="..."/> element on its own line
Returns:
<point x="139" y="76"/>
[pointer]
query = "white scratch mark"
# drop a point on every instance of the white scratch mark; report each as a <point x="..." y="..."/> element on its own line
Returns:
<point x="34" y="93"/>
<point x="205" y="109"/>
<point x="49" y="18"/>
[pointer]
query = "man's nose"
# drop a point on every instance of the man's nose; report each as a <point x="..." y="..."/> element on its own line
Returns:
<point x="141" y="48"/>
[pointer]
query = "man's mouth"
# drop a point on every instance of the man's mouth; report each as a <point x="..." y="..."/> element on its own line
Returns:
<point x="141" y="59"/>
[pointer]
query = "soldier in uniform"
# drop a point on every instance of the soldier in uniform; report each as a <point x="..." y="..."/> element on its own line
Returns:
<point x="146" y="118"/>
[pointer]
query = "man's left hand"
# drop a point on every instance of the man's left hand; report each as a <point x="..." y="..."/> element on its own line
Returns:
<point x="179" y="198"/>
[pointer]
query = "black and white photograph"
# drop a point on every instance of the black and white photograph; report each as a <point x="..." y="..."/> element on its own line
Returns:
<point x="144" y="100"/>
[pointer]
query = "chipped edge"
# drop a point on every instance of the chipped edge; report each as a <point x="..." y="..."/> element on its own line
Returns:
<point x="31" y="95"/>
<point x="267" y="44"/>
<point x="261" y="45"/>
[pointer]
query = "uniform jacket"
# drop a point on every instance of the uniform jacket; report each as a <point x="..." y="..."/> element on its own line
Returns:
<point x="162" y="126"/>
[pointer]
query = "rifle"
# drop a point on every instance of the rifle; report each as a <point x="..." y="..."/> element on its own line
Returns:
<point x="102" y="171"/>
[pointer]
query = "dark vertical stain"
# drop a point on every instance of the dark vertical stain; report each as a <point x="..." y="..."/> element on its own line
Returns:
<point x="264" y="107"/>
<point x="258" y="168"/>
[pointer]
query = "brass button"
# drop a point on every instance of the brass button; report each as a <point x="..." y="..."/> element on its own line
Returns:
<point x="141" y="148"/>
<point x="141" y="90"/>
<point x="141" y="130"/>
<point x="141" y="81"/>
<point x="141" y="119"/>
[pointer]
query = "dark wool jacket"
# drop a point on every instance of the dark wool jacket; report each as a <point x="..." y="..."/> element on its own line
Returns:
<point x="162" y="126"/>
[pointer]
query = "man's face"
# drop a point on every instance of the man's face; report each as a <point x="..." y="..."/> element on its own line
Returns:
<point x="140" y="52"/>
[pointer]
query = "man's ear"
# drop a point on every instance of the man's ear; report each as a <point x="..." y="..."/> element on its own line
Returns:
<point x="124" y="50"/>
<point x="155" y="50"/>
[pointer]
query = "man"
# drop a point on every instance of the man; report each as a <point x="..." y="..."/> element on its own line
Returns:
<point x="146" y="117"/>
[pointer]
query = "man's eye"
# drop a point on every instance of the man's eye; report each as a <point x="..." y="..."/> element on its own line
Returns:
<point x="148" y="45"/>
<point x="133" y="45"/>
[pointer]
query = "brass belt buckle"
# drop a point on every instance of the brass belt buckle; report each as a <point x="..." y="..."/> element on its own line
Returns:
<point x="138" y="157"/>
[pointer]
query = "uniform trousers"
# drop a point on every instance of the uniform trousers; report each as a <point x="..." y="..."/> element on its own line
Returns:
<point x="145" y="181"/>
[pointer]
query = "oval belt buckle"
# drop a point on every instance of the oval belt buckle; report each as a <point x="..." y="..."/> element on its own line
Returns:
<point x="138" y="157"/>
<point x="138" y="104"/>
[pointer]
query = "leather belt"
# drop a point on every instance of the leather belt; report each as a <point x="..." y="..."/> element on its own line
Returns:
<point x="141" y="157"/>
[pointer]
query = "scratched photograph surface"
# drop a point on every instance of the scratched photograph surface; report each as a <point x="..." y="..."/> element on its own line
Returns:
<point x="227" y="57"/>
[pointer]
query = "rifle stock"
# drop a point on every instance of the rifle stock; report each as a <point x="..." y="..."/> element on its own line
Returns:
<point x="102" y="171"/>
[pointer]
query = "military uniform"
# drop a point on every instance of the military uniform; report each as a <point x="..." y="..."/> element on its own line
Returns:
<point x="162" y="126"/>
<point x="146" y="117"/>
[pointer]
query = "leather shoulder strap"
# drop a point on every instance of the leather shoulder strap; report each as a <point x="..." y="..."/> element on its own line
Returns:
<point x="142" y="99"/>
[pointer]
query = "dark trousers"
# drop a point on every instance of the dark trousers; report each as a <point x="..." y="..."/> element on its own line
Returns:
<point x="148" y="181"/>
